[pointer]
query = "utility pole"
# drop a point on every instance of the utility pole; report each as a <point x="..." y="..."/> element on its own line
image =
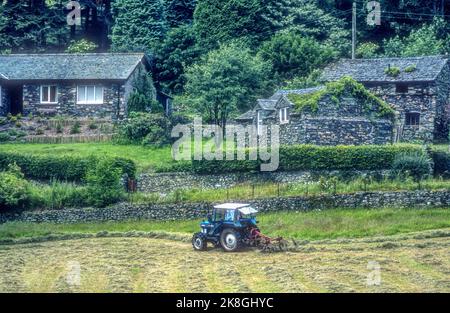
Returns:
<point x="354" y="30"/>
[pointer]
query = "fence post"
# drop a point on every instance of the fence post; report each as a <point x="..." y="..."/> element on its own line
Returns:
<point x="278" y="189"/>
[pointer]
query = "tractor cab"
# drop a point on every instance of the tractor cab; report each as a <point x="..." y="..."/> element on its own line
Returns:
<point x="235" y="215"/>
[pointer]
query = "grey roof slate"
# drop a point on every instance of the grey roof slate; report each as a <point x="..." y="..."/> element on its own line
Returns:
<point x="96" y="66"/>
<point x="267" y="104"/>
<point x="372" y="70"/>
<point x="277" y="95"/>
<point x="249" y="115"/>
<point x="270" y="104"/>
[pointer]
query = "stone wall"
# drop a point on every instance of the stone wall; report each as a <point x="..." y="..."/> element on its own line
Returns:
<point x="168" y="182"/>
<point x="442" y="105"/>
<point x="125" y="211"/>
<point x="343" y="123"/>
<point x="67" y="95"/>
<point x="421" y="98"/>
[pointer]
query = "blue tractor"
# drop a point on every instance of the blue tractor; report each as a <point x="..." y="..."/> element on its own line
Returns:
<point x="232" y="226"/>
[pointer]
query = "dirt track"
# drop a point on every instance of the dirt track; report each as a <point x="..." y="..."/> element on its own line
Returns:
<point x="412" y="263"/>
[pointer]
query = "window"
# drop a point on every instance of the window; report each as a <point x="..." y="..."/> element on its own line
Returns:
<point x="412" y="119"/>
<point x="401" y="88"/>
<point x="90" y="95"/>
<point x="49" y="94"/>
<point x="259" y="122"/>
<point x="283" y="115"/>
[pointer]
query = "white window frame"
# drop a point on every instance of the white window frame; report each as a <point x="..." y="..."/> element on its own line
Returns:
<point x="85" y="87"/>
<point x="259" y="122"/>
<point x="283" y="116"/>
<point x="48" y="90"/>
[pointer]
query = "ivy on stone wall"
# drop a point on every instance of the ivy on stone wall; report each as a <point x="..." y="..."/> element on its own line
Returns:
<point x="336" y="90"/>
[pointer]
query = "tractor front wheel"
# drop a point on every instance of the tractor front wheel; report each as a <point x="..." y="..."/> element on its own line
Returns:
<point x="199" y="242"/>
<point x="229" y="240"/>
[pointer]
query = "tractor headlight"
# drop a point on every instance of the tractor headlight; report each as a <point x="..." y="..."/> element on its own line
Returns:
<point x="204" y="230"/>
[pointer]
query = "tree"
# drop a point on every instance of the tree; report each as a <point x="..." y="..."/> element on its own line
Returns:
<point x="139" y="25"/>
<point x="367" y="50"/>
<point x="143" y="97"/>
<point x="31" y="26"/>
<point x="308" y="20"/>
<point x="179" y="12"/>
<point x="293" y="55"/>
<point x="420" y="42"/>
<point x="221" y="21"/>
<point x="178" y="51"/>
<point x="226" y="81"/>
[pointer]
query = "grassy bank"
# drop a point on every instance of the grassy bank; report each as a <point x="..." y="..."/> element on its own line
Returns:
<point x="337" y="223"/>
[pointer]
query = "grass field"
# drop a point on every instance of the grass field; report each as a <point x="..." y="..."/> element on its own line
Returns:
<point x="146" y="158"/>
<point x="415" y="263"/>
<point x="336" y="223"/>
<point x="334" y="251"/>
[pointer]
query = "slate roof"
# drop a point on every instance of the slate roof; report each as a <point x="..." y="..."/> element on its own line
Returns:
<point x="270" y="104"/>
<point x="277" y="95"/>
<point x="249" y="115"/>
<point x="372" y="70"/>
<point x="95" y="66"/>
<point x="267" y="104"/>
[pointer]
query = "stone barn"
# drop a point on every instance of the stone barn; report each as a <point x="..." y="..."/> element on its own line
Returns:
<point x="317" y="116"/>
<point x="417" y="88"/>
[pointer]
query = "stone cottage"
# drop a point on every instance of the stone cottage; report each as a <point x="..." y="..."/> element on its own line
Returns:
<point x="418" y="88"/>
<point x="82" y="85"/>
<point x="345" y="121"/>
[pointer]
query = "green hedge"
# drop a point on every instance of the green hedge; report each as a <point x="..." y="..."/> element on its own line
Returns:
<point x="65" y="167"/>
<point x="310" y="157"/>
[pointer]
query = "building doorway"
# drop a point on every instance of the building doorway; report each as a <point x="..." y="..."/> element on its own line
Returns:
<point x="15" y="99"/>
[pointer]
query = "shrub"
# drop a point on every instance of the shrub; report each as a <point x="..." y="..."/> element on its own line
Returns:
<point x="392" y="71"/>
<point x="103" y="184"/>
<point x="410" y="68"/>
<point x="13" y="187"/>
<point x="310" y="157"/>
<point x="415" y="165"/>
<point x="60" y="167"/>
<point x="441" y="162"/>
<point x="145" y="128"/>
<point x="76" y="128"/>
<point x="39" y="131"/>
<point x="57" y="195"/>
<point x="92" y="125"/>
<point x="59" y="128"/>
<point x="4" y="137"/>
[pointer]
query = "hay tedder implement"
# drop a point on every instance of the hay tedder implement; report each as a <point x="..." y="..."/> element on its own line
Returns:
<point x="233" y="226"/>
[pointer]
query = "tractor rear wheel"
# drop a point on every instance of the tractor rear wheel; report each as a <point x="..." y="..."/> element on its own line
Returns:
<point x="229" y="240"/>
<point x="199" y="242"/>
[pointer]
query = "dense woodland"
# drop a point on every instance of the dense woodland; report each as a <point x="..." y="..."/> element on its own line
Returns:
<point x="217" y="56"/>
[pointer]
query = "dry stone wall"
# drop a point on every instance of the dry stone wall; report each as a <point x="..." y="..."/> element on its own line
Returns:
<point x="176" y="211"/>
